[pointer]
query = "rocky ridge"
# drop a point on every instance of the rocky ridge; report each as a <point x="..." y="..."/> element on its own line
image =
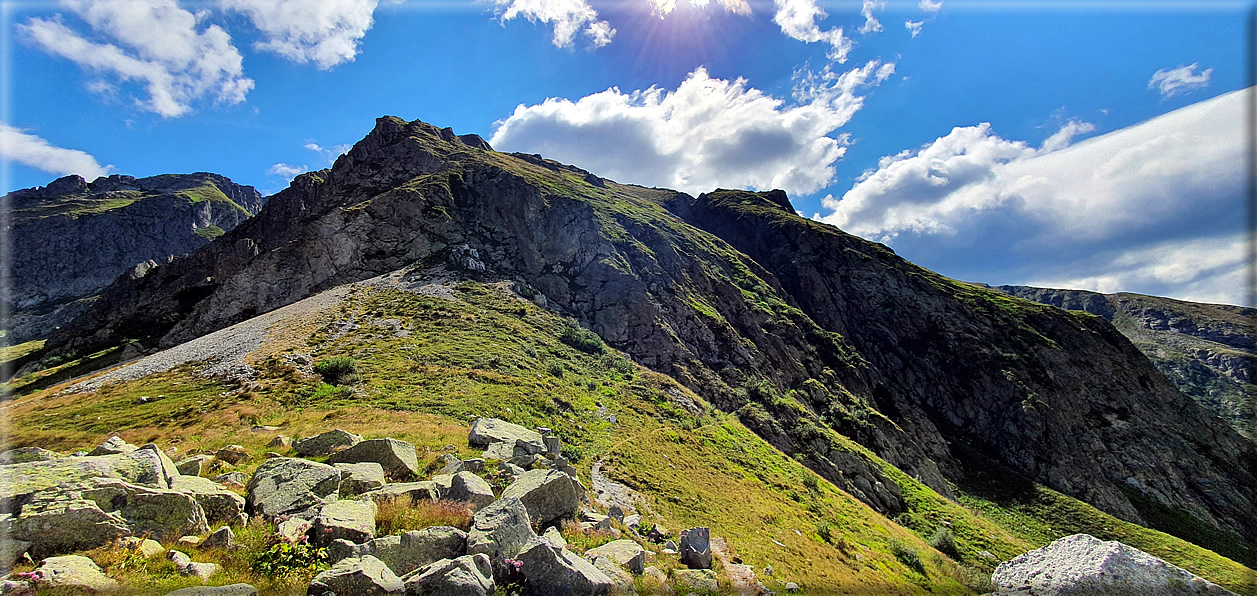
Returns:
<point x="805" y="332"/>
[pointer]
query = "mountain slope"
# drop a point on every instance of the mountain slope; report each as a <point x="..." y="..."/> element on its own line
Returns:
<point x="1209" y="351"/>
<point x="76" y="237"/>
<point x="807" y="334"/>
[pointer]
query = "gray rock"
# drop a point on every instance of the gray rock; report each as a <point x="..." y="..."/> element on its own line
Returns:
<point x="221" y="538"/>
<point x="631" y="521"/>
<point x="363" y="575"/>
<point x="10" y="587"/>
<point x="791" y="587"/>
<point x="178" y="558"/>
<point x="159" y="513"/>
<point x="325" y="443"/>
<point x="11" y="552"/>
<point x="23" y="455"/>
<point x="1082" y="564"/>
<point x="554" y="537"/>
<point x="284" y="486"/>
<point x="232" y="479"/>
<point x="697" y="580"/>
<point x="486" y="431"/>
<point x="614" y="512"/>
<point x="407" y="552"/>
<point x="511" y="470"/>
<point x="548" y="495"/>
<point x="200" y="570"/>
<point x="474" y="465"/>
<point x="404" y="492"/>
<point x="193" y="466"/>
<point x="73" y="572"/>
<point x="655" y="581"/>
<point x="453" y="464"/>
<point x="145" y="467"/>
<point x="231" y="590"/>
<point x="348" y="520"/>
<point x="621" y="582"/>
<point x="356" y="479"/>
<point x="553" y="445"/>
<point x="221" y="506"/>
<point x="469" y="575"/>
<point x="695" y="548"/>
<point x="561" y="572"/>
<point x="469" y="488"/>
<point x="62" y="522"/>
<point x="622" y="552"/>
<point x="397" y="457"/>
<point x="501" y="530"/>
<point x="233" y="454"/>
<point x="112" y="446"/>
<point x="144" y="546"/>
<point x="280" y="441"/>
<point x="293" y="530"/>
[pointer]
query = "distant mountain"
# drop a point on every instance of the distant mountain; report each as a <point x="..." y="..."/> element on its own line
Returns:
<point x="1209" y="351"/>
<point x="831" y="348"/>
<point x="72" y="237"/>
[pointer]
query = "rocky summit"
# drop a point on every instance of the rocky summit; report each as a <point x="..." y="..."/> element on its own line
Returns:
<point x="625" y="360"/>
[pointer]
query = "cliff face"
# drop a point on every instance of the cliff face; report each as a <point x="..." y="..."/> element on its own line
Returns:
<point x="73" y="238"/>
<point x="810" y="335"/>
<point x="1209" y="351"/>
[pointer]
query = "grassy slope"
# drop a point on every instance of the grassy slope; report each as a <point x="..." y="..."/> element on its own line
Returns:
<point x="89" y="204"/>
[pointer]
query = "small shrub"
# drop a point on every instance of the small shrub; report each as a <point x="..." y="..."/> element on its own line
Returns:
<point x="285" y="559"/>
<point x="573" y="453"/>
<point x="530" y="351"/>
<point x="944" y="541"/>
<point x="580" y="338"/>
<point x="908" y="556"/>
<point x="825" y="532"/>
<point x="810" y="481"/>
<point x="338" y="370"/>
<point x="556" y="369"/>
<point x="398" y="516"/>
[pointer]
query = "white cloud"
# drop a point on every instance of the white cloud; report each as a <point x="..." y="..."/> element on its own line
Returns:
<point x="662" y="8"/>
<point x="1173" y="81"/>
<point x="325" y="32"/>
<point x="871" y="24"/>
<point x="931" y="5"/>
<point x="707" y="133"/>
<point x="33" y="151"/>
<point x="568" y="17"/>
<point x="1171" y="184"/>
<point x="328" y="155"/>
<point x="914" y="27"/>
<point x="286" y="171"/>
<point x="152" y="42"/>
<point x="797" y="19"/>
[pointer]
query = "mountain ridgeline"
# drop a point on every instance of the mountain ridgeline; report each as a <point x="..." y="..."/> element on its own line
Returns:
<point x="809" y="335"/>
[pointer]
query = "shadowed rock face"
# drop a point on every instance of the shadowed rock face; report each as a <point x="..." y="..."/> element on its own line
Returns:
<point x="805" y="332"/>
<point x="73" y="238"/>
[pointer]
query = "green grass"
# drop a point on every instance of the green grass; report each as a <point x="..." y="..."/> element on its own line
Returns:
<point x="209" y="232"/>
<point x="11" y="353"/>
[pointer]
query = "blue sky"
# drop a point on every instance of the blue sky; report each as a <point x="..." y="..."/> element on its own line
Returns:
<point x="1071" y="144"/>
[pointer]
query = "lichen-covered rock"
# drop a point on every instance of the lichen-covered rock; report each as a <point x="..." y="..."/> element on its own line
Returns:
<point x="11" y="552"/>
<point x="112" y="446"/>
<point x="147" y="547"/>
<point x="145" y="467"/>
<point x="233" y="454"/>
<point x="404" y="492"/>
<point x="468" y="575"/>
<point x="293" y="530"/>
<point x="62" y="525"/>
<point x="702" y="581"/>
<point x="621" y="552"/>
<point x="73" y="572"/>
<point x="159" y="513"/>
<point x="398" y="458"/>
<point x="193" y="466"/>
<point x="231" y="590"/>
<point x="344" y="520"/>
<point x="280" y="442"/>
<point x="561" y="572"/>
<point x="1082" y="564"/>
<point x="23" y="455"/>
<point x="284" y="485"/>
<point x="621" y="582"/>
<point x="221" y="506"/>
<point x="406" y="552"/>
<point x="500" y="530"/>
<point x="186" y="566"/>
<point x="220" y="538"/>
<point x="364" y="575"/>
<point x="465" y="487"/>
<point x="359" y="478"/>
<point x="325" y="443"/>
<point x="486" y="431"/>
<point x="548" y="494"/>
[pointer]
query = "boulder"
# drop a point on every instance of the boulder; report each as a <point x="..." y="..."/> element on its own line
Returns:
<point x="696" y="580"/>
<point x="486" y="431"/>
<point x="185" y="566"/>
<point x="233" y="454"/>
<point x="23" y="455"/>
<point x="356" y="479"/>
<point x="405" y="492"/>
<point x="519" y="453"/>
<point x="548" y="494"/>
<point x="286" y="486"/>
<point x="622" y="552"/>
<point x="326" y="443"/>
<point x="193" y="466"/>
<point x="561" y="572"/>
<point x="231" y="590"/>
<point x="469" y="488"/>
<point x="12" y="587"/>
<point x="18" y="482"/>
<point x="695" y="548"/>
<point x="158" y="513"/>
<point x="63" y="525"/>
<point x="11" y="552"/>
<point x="553" y="445"/>
<point x="621" y="582"/>
<point x="221" y="506"/>
<point x="232" y="480"/>
<point x="280" y="441"/>
<point x="407" y="552"/>
<point x="364" y="575"/>
<point x="74" y="573"/>
<point x="397" y="457"/>
<point x="554" y="537"/>
<point x="474" y="465"/>
<point x="144" y="546"/>
<point x="112" y="446"/>
<point x="1082" y="564"/>
<point x="616" y="513"/>
<point x="501" y="530"/>
<point x="220" y="538"/>
<point x="468" y="575"/>
<point x="293" y="530"/>
<point x="348" y="520"/>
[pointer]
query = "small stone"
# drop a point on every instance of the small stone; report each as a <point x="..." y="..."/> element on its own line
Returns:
<point x="696" y="548"/>
<point x="768" y="570"/>
<point x="232" y="454"/>
<point x="791" y="587"/>
<point x="614" y="512"/>
<point x="189" y="541"/>
<point x="146" y="547"/>
<point x="232" y="479"/>
<point x="220" y="538"/>
<point x="193" y="466"/>
<point x="231" y="590"/>
<point x="112" y="446"/>
<point x="280" y="441"/>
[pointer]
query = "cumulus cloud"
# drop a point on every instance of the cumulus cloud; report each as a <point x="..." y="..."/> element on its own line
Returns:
<point x="1173" y="81"/>
<point x="798" y="20"/>
<point x="705" y="134"/>
<point x="914" y="26"/>
<point x="662" y="8"/>
<point x="325" y="32"/>
<point x="36" y="152"/>
<point x="1172" y="182"/>
<point x="150" y="42"/>
<point x="871" y="24"/>
<point x="568" y="17"/>
<point x="286" y="171"/>
<point x="329" y="155"/>
<point x="931" y="5"/>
